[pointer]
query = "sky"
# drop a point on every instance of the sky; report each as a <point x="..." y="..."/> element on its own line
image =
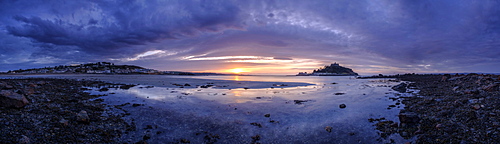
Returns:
<point x="254" y="37"/>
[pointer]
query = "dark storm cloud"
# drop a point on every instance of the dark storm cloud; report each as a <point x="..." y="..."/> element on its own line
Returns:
<point x="125" y="24"/>
<point x="378" y="35"/>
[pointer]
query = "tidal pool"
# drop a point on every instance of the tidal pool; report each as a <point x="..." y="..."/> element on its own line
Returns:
<point x="274" y="113"/>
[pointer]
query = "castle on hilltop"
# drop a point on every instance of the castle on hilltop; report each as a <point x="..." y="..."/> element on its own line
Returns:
<point x="333" y="70"/>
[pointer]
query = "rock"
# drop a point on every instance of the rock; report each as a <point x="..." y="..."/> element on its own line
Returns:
<point x="136" y="105"/>
<point x="185" y="141"/>
<point x="445" y="78"/>
<point x="256" y="124"/>
<point x="24" y="139"/>
<point x="64" y="122"/>
<point x="7" y="87"/>
<point x="299" y="101"/>
<point x="342" y="106"/>
<point x="395" y="125"/>
<point x="470" y="91"/>
<point x="491" y="88"/>
<point x="9" y="98"/>
<point x="328" y="128"/>
<point x="103" y="89"/>
<point x="408" y="117"/>
<point x="476" y="106"/>
<point x="496" y="124"/>
<point x="82" y="117"/>
<point x="267" y="115"/>
<point x="146" y="136"/>
<point x="256" y="138"/>
<point x="455" y="78"/>
<point x="419" y="131"/>
<point x="126" y="87"/>
<point x="474" y="101"/>
<point x="404" y="134"/>
<point x="400" y="87"/>
<point x="438" y="126"/>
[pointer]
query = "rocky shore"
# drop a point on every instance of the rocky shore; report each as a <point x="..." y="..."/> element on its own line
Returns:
<point x="38" y="110"/>
<point x="438" y="109"/>
<point x="447" y="109"/>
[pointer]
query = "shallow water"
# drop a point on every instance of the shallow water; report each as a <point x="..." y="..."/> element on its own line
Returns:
<point x="204" y="115"/>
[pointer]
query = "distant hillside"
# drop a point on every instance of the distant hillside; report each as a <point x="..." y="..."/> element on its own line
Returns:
<point x="100" y="68"/>
<point x="89" y="68"/>
<point x="332" y="70"/>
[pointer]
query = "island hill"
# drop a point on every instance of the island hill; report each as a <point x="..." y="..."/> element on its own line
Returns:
<point x="333" y="70"/>
<point x="100" y="68"/>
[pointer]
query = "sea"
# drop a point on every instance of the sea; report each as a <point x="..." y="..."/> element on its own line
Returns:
<point x="252" y="109"/>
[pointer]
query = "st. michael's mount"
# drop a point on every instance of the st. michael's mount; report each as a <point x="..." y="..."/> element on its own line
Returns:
<point x="333" y="70"/>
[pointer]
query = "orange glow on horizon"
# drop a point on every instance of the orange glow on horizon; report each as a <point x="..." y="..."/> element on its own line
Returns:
<point x="237" y="70"/>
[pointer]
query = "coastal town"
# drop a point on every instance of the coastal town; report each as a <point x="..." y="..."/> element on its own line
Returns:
<point x="97" y="68"/>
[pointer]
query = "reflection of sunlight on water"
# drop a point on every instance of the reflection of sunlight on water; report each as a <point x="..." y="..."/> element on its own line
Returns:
<point x="236" y="93"/>
<point x="146" y="94"/>
<point x="364" y="99"/>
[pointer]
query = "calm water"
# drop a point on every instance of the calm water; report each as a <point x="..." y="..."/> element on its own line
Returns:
<point x="225" y="115"/>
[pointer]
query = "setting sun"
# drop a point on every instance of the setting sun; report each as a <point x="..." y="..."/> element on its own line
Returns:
<point x="237" y="70"/>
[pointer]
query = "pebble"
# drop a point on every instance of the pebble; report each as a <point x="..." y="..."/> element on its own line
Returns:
<point x="185" y="141"/>
<point x="83" y="117"/>
<point x="255" y="138"/>
<point x="146" y="136"/>
<point x="476" y="106"/>
<point x="342" y="106"/>
<point x="24" y="139"/>
<point x="64" y="122"/>
<point x="256" y="124"/>
<point x="438" y="126"/>
<point x="328" y="128"/>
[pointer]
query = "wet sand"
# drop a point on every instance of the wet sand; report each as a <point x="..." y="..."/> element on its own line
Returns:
<point x="263" y="113"/>
<point x="169" y="81"/>
<point x="294" y="114"/>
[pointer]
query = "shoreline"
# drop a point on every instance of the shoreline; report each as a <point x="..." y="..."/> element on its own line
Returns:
<point x="446" y="109"/>
<point x="57" y="111"/>
<point x="172" y="81"/>
<point x="451" y="108"/>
